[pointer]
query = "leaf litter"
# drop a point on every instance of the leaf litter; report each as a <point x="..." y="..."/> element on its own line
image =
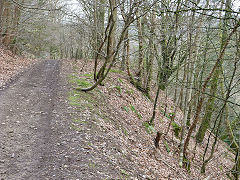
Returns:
<point x="136" y="145"/>
<point x="11" y="65"/>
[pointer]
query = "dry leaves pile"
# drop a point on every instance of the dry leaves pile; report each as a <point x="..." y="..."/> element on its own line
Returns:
<point x="11" y="64"/>
<point x="129" y="109"/>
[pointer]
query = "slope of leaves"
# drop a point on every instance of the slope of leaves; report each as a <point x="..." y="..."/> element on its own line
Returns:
<point x="11" y="64"/>
<point x="129" y="109"/>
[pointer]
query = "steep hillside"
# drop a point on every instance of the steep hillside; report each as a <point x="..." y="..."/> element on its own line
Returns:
<point x="117" y="112"/>
<point x="11" y="64"/>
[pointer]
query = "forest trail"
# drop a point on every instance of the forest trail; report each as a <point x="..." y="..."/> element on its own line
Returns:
<point x="37" y="136"/>
<point x="28" y="134"/>
<point x="50" y="131"/>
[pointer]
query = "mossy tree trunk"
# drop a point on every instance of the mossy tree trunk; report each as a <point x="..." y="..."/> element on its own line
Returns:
<point x="220" y="116"/>
<point x="206" y="81"/>
<point x="209" y="107"/>
<point x="151" y="54"/>
<point x="140" y="49"/>
<point x="168" y="43"/>
<point x="213" y="85"/>
<point x="98" y="32"/>
<point x="190" y="71"/>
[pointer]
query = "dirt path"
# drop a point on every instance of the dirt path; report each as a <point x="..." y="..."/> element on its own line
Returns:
<point x="28" y="137"/>
<point x="38" y="135"/>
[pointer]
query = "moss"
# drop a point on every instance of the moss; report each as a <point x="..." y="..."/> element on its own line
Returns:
<point x="209" y="109"/>
<point x="71" y="81"/>
<point x="202" y="130"/>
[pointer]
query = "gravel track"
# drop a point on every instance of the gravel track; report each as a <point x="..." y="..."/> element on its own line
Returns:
<point x="27" y="135"/>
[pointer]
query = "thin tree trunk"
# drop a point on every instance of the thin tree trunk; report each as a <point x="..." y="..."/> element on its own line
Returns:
<point x="140" y="49"/>
<point x="200" y="103"/>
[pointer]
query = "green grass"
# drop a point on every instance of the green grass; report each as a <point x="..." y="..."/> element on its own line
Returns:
<point x="92" y="165"/>
<point x="166" y="146"/>
<point x="75" y="104"/>
<point x="130" y="92"/>
<point x="82" y="100"/>
<point x="139" y="115"/>
<point x="132" y="108"/>
<point x="176" y="128"/>
<point x="119" y="89"/>
<point x="126" y="109"/>
<point x="116" y="71"/>
<point x="74" y="100"/>
<point x="72" y="76"/>
<point x="120" y="80"/>
<point x="124" y="172"/>
<point x="88" y="75"/>
<point x="149" y="128"/>
<point x="79" y="121"/>
<point x="82" y="83"/>
<point x="124" y="131"/>
<point x="76" y="128"/>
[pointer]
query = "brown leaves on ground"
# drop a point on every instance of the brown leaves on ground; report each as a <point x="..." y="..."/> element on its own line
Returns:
<point x="130" y="109"/>
<point x="11" y="64"/>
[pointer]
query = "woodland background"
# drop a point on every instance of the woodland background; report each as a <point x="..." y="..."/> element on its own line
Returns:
<point x="188" y="49"/>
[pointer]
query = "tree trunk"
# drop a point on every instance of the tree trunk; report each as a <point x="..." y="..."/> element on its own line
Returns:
<point x="200" y="103"/>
